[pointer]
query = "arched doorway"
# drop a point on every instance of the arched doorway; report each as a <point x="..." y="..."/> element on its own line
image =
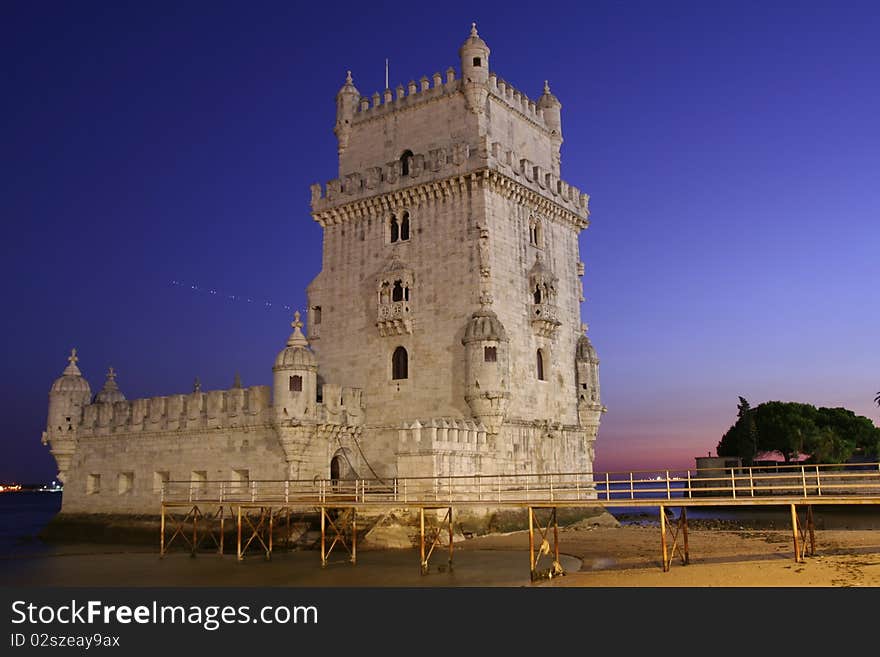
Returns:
<point x="341" y="469"/>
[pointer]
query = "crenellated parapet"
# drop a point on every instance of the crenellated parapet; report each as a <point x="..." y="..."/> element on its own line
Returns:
<point x="443" y="172"/>
<point x="505" y="160"/>
<point x="442" y="162"/>
<point x="215" y="409"/>
<point x="461" y="435"/>
<point x="341" y="406"/>
<point x="402" y="98"/>
<point x="516" y="100"/>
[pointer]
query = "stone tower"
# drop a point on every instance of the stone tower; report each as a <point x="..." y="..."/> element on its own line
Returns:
<point x="68" y="396"/>
<point x="450" y="289"/>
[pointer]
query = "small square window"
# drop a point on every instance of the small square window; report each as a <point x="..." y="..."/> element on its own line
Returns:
<point x="93" y="484"/>
<point x="125" y="483"/>
<point x="160" y="478"/>
<point x="296" y="383"/>
<point x="199" y="481"/>
<point x="241" y="480"/>
<point x="477" y="61"/>
<point x="490" y="354"/>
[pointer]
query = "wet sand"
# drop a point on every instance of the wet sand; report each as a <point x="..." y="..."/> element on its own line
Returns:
<point x="625" y="556"/>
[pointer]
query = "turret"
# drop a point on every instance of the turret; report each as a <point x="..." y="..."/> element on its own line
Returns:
<point x="552" y="108"/>
<point x="589" y="402"/>
<point x="110" y="393"/>
<point x="474" y="54"/>
<point x="346" y="105"/>
<point x="69" y="394"/>
<point x="295" y="377"/>
<point x="487" y="358"/>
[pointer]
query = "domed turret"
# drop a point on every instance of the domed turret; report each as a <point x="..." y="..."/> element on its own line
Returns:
<point x="346" y="105"/>
<point x="71" y="379"/>
<point x="295" y="376"/>
<point x="474" y="54"/>
<point x="589" y="402"/>
<point x="110" y="393"/>
<point x="552" y="110"/>
<point x="487" y="360"/>
<point x="586" y="352"/>
<point x="69" y="394"/>
<point x="484" y="325"/>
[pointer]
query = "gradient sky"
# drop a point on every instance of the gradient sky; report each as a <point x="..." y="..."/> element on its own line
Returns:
<point x="731" y="151"/>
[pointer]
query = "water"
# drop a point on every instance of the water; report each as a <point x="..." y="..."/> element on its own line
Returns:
<point x="26" y="560"/>
<point x="23" y="516"/>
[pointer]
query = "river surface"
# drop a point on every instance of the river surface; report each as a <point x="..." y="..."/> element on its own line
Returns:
<point x="26" y="560"/>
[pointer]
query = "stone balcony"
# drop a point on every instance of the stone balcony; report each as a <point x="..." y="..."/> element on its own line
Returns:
<point x="394" y="318"/>
<point x="545" y="319"/>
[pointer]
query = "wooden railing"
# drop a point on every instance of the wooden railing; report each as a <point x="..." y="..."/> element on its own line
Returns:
<point x="612" y="488"/>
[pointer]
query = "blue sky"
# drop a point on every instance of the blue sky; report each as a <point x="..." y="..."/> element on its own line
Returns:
<point x="730" y="150"/>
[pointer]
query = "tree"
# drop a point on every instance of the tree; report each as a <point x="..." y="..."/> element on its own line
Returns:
<point x="828" y="435"/>
<point x="742" y="438"/>
<point x="785" y="427"/>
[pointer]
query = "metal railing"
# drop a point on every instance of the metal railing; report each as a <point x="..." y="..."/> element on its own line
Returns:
<point x="757" y="482"/>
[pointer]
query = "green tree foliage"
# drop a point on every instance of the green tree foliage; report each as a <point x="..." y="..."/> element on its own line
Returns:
<point x="742" y="438"/>
<point x="828" y="435"/>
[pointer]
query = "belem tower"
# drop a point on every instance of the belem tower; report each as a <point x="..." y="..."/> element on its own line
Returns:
<point x="443" y="334"/>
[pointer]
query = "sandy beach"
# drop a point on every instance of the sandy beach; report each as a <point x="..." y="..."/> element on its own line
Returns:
<point x="591" y="556"/>
<point x="630" y="556"/>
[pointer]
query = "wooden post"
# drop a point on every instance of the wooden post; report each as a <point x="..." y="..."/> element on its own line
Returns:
<point x="240" y="555"/>
<point x="162" y="538"/>
<point x="354" y="536"/>
<point x="323" y="554"/>
<point x="684" y="529"/>
<point x="450" y="538"/>
<point x="556" y="536"/>
<point x="195" y="513"/>
<point x="271" y="527"/>
<point x="423" y="567"/>
<point x="794" y="531"/>
<point x="810" y="526"/>
<point x="663" y="538"/>
<point x="222" y="527"/>
<point x="532" y="543"/>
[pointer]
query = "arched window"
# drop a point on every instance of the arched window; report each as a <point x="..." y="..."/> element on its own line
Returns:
<point x="296" y="383"/>
<point x="490" y="354"/>
<point x="537" y="294"/>
<point x="405" y="159"/>
<point x="395" y="230"/>
<point x="536" y="233"/>
<point x="540" y="364"/>
<point x="400" y="364"/>
<point x="397" y="292"/>
<point x="404" y="227"/>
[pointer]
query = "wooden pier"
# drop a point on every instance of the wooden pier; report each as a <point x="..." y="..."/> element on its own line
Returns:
<point x="195" y="514"/>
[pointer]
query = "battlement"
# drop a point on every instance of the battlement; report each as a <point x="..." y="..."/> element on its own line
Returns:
<point x="443" y="163"/>
<point x="516" y="100"/>
<point x="505" y="160"/>
<point x="438" y="86"/>
<point x="401" y="98"/>
<point x="456" y="159"/>
<point x="341" y="406"/>
<point x="462" y="435"/>
<point x="215" y="409"/>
